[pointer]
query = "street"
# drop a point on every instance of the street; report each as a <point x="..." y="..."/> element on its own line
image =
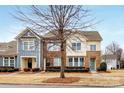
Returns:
<point x="51" y="86"/>
<point x="38" y="86"/>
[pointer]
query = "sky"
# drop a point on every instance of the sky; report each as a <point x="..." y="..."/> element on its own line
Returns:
<point x="111" y="26"/>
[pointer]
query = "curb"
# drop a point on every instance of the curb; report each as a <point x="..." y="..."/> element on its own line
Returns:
<point x="79" y="85"/>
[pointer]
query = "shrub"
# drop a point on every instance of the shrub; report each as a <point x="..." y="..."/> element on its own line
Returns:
<point x="16" y="69"/>
<point x="10" y="70"/>
<point x="3" y="69"/>
<point x="26" y="69"/>
<point x="35" y="69"/>
<point x="103" y="66"/>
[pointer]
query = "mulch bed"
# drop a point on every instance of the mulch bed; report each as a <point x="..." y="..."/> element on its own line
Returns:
<point x="28" y="72"/>
<point x="104" y="71"/>
<point x="62" y="80"/>
<point x="6" y="73"/>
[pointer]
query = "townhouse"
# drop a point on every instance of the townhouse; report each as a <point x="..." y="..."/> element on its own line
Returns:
<point x="31" y="50"/>
<point x="8" y="54"/>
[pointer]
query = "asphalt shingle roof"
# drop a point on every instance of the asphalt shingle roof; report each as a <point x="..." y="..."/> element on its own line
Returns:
<point x="8" y="49"/>
<point x="90" y="35"/>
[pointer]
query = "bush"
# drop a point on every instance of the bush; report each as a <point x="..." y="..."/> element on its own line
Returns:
<point x="10" y="70"/>
<point x="16" y="69"/>
<point x="35" y="69"/>
<point x="3" y="70"/>
<point x="103" y="66"/>
<point x="26" y="69"/>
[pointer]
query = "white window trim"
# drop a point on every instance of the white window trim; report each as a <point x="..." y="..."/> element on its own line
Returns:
<point x="8" y="61"/>
<point x="14" y="61"/>
<point x="28" y="45"/>
<point x="4" y="61"/>
<point x="76" y="46"/>
<point x="93" y="45"/>
<point x="58" y="59"/>
<point x="74" y="62"/>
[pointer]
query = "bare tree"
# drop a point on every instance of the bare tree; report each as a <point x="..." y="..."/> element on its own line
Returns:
<point x="115" y="49"/>
<point x="112" y="48"/>
<point x="60" y="20"/>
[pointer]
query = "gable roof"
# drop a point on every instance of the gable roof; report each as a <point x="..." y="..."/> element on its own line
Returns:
<point x="92" y="35"/>
<point x="8" y="49"/>
<point x="89" y="35"/>
<point x="26" y="30"/>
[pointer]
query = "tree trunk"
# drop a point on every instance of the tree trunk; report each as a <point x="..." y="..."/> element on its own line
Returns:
<point x="62" y="75"/>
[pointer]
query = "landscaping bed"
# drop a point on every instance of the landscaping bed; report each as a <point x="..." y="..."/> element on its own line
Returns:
<point x="62" y="80"/>
<point x="27" y="72"/>
<point x="8" y="69"/>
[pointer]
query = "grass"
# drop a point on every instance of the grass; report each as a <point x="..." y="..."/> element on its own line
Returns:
<point x="71" y="78"/>
<point x="100" y="82"/>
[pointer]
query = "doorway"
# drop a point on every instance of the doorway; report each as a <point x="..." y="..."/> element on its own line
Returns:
<point x="92" y="64"/>
<point x="29" y="62"/>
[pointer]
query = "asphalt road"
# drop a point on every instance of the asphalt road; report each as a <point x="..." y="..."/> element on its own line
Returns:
<point x="37" y="86"/>
<point x="51" y="86"/>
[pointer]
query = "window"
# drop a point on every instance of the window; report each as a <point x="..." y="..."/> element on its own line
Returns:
<point x="57" y="61"/>
<point x="6" y="61"/>
<point x="53" y="47"/>
<point x="70" y="61"/>
<point x="1" y="61"/>
<point x="12" y="61"/>
<point x="28" y="45"/>
<point x="25" y="45"/>
<point x="81" y="61"/>
<point x="76" y="46"/>
<point x="93" y="47"/>
<point x="76" y="61"/>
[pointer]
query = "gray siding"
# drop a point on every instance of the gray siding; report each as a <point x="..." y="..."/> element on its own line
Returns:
<point x="23" y="53"/>
<point x="1" y="61"/>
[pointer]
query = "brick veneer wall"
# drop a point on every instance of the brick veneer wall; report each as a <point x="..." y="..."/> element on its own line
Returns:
<point x="51" y="54"/>
<point x="93" y="54"/>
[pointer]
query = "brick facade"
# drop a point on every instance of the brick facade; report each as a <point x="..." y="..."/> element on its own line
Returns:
<point x="50" y="55"/>
<point x="93" y="54"/>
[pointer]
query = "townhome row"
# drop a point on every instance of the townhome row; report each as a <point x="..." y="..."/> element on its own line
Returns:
<point x="31" y="50"/>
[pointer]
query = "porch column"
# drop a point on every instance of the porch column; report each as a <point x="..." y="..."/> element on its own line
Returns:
<point x="44" y="64"/>
<point x="21" y="65"/>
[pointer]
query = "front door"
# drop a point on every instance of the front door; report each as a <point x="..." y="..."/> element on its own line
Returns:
<point x="92" y="64"/>
<point x="29" y="62"/>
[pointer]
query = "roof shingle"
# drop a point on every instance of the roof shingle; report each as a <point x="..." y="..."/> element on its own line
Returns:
<point x="8" y="49"/>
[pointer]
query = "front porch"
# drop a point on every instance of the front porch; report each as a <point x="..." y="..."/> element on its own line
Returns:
<point x="28" y="62"/>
